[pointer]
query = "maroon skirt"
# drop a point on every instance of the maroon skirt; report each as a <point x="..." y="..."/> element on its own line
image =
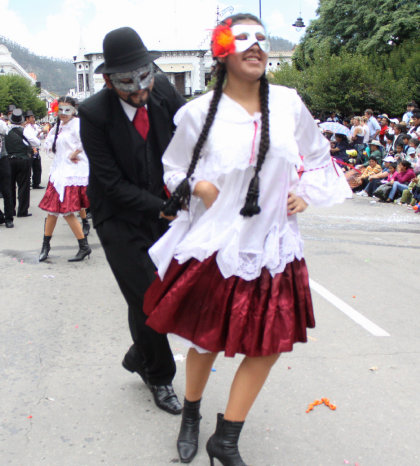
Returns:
<point x="75" y="199"/>
<point x="260" y="317"/>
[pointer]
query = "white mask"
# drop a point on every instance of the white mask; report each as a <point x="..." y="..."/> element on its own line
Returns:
<point x="253" y="34"/>
<point x="67" y="110"/>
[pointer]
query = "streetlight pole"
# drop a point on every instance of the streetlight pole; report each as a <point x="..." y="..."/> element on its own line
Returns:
<point x="260" y="8"/>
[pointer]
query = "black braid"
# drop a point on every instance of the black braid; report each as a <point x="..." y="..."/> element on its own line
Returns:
<point x="251" y="206"/>
<point x="182" y="194"/>
<point x="57" y="127"/>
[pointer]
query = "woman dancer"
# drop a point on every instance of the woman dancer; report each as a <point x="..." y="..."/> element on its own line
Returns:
<point x="231" y="267"/>
<point x="66" y="191"/>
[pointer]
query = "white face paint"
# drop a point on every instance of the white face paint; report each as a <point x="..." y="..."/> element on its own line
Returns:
<point x="246" y="35"/>
<point x="67" y="110"/>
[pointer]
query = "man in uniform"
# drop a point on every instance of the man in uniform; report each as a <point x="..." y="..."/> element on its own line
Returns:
<point x="36" y="132"/>
<point x="5" y="183"/>
<point x="18" y="146"/>
<point x="125" y="129"/>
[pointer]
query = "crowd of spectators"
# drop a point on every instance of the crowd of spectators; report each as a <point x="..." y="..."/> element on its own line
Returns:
<point x="380" y="155"/>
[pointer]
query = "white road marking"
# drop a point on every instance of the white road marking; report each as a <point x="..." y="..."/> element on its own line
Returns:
<point x="348" y="310"/>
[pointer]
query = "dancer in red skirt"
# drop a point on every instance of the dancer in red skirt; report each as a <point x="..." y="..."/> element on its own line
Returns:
<point x="232" y="276"/>
<point x="66" y="191"/>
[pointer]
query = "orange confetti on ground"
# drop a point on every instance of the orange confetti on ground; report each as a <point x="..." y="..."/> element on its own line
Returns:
<point x="324" y="401"/>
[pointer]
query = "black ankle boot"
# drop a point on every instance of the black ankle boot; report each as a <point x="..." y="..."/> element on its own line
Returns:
<point x="45" y="248"/>
<point x="187" y="442"/>
<point x="84" y="250"/>
<point x="85" y="226"/>
<point x="223" y="444"/>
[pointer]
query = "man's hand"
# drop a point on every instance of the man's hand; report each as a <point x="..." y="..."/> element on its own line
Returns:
<point x="167" y="217"/>
<point x="207" y="192"/>
<point x="295" y="204"/>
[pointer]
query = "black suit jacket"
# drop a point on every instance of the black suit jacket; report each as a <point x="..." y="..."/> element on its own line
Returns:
<point x="119" y="179"/>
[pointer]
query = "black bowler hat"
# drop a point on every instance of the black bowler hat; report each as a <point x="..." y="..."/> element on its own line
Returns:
<point x="10" y="108"/>
<point x="124" y="51"/>
<point x="29" y="113"/>
<point x="17" y="116"/>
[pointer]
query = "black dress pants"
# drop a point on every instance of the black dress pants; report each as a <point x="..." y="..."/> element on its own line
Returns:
<point x="6" y="188"/>
<point x="21" y="175"/>
<point x="36" y="171"/>
<point x="126" y="252"/>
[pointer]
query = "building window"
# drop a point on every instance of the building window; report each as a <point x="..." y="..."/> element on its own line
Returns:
<point x="80" y="86"/>
<point x="80" y="67"/>
<point x="87" y="83"/>
<point x="87" y="66"/>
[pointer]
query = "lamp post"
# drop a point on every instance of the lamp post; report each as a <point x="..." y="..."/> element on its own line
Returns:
<point x="260" y="8"/>
<point x="299" y="24"/>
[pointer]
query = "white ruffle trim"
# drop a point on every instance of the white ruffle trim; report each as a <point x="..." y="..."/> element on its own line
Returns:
<point x="56" y="214"/>
<point x="60" y="183"/>
<point x="280" y="248"/>
<point x="325" y="186"/>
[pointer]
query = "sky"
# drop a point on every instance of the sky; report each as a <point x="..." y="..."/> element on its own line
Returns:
<point x="57" y="28"/>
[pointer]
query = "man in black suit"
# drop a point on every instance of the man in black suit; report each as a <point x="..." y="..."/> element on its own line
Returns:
<point x="125" y="129"/>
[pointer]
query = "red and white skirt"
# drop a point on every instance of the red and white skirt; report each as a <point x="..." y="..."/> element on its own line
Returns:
<point x="260" y="317"/>
<point x="75" y="199"/>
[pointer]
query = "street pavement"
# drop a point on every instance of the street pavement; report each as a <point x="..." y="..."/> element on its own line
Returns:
<point x="66" y="400"/>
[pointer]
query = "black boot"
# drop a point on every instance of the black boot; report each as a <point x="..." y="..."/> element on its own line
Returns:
<point x="84" y="250"/>
<point x="187" y="442"/>
<point x="45" y="248"/>
<point x="223" y="444"/>
<point x="85" y="226"/>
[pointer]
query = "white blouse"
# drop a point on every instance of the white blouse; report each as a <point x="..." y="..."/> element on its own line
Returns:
<point x="270" y="239"/>
<point x="63" y="171"/>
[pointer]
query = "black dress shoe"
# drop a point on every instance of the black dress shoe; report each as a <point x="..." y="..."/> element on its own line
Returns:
<point x="38" y="187"/>
<point x="165" y="398"/>
<point x="9" y="224"/>
<point x="133" y="362"/>
<point x="25" y="215"/>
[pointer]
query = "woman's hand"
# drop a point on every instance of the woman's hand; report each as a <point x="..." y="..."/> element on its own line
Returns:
<point x="74" y="156"/>
<point x="207" y="192"/>
<point x="295" y="204"/>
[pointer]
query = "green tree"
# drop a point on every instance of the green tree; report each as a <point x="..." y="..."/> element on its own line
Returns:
<point x="371" y="26"/>
<point x="348" y="83"/>
<point x="18" y="91"/>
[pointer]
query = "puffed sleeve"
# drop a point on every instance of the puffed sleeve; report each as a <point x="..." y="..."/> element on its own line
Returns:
<point x="50" y="139"/>
<point x="323" y="182"/>
<point x="4" y="129"/>
<point x="75" y="135"/>
<point x="177" y="157"/>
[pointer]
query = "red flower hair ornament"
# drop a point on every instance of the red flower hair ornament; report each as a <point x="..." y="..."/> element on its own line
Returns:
<point x="54" y="107"/>
<point x="223" y="40"/>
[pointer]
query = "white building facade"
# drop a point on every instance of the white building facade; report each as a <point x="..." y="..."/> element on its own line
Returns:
<point x="8" y="65"/>
<point x="188" y="70"/>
